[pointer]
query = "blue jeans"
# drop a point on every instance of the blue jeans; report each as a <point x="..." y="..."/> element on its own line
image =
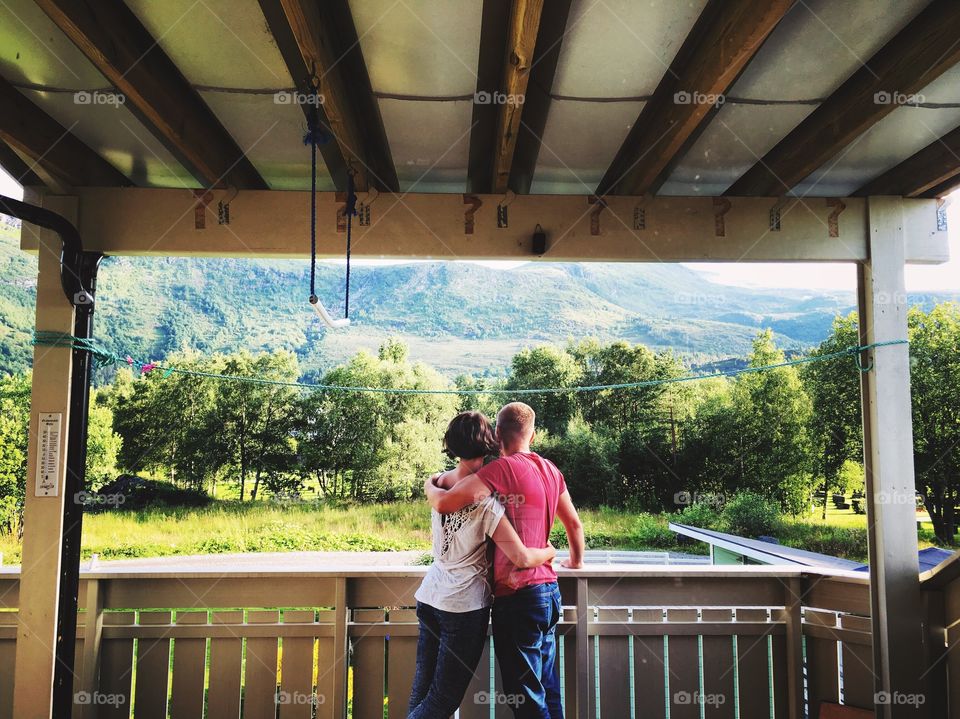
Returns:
<point x="448" y="650"/>
<point x="525" y="640"/>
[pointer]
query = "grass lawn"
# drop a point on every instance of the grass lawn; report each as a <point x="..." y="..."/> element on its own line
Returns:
<point x="264" y="526"/>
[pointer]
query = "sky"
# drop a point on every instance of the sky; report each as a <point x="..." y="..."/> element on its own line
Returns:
<point x="827" y="276"/>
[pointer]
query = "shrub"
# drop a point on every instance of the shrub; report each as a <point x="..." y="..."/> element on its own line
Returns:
<point x="702" y="515"/>
<point x="750" y="515"/>
<point x="652" y="531"/>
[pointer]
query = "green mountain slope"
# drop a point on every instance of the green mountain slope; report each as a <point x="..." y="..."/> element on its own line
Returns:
<point x="458" y="317"/>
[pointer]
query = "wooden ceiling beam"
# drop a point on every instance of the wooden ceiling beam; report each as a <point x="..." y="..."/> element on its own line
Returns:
<point x="118" y="44"/>
<point x="537" y="95"/>
<point x="19" y="170"/>
<point x="523" y="28"/>
<point x="724" y="39"/>
<point x="915" y="57"/>
<point x="923" y="174"/>
<point x="320" y="47"/>
<point x="53" y="149"/>
<point x="494" y="22"/>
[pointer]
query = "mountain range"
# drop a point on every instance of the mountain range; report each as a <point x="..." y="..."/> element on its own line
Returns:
<point x="458" y="317"/>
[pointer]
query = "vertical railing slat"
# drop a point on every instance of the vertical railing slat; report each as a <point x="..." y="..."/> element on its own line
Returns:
<point x="226" y="658"/>
<point x="260" y="681"/>
<point x="683" y="661"/>
<point x="153" y="669"/>
<point x="296" y="696"/>
<point x="753" y="667"/>
<point x="648" y="668"/>
<point x="614" y="665"/>
<point x="858" y="676"/>
<point x="823" y="671"/>
<point x="189" y="667"/>
<point x="718" y="668"/>
<point x="116" y="669"/>
<point x="368" y="665"/>
<point x="401" y="663"/>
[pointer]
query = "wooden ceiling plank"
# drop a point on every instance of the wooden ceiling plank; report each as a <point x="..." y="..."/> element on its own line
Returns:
<point x="724" y="39"/>
<point x="53" y="149"/>
<point x="915" y="57"/>
<point x="936" y="165"/>
<point x="118" y="44"/>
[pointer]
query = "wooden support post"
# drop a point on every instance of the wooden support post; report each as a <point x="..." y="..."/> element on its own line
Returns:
<point x="43" y="515"/>
<point x="340" y="648"/>
<point x="793" y="604"/>
<point x="896" y="607"/>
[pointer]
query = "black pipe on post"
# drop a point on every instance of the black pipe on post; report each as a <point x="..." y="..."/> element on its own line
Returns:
<point x="78" y="277"/>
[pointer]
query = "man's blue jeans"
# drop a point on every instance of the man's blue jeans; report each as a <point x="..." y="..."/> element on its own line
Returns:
<point x="448" y="650"/>
<point x="525" y="641"/>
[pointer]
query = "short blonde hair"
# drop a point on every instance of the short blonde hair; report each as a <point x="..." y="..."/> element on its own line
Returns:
<point x="515" y="421"/>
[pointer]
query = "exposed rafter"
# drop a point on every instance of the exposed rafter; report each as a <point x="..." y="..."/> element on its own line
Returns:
<point x="536" y="105"/>
<point x="493" y="52"/>
<point x="930" y="172"/>
<point x="914" y="58"/>
<point x="52" y="147"/>
<point x="726" y="36"/>
<point x="17" y="168"/>
<point x="524" y="27"/>
<point x="116" y="42"/>
<point x="319" y="45"/>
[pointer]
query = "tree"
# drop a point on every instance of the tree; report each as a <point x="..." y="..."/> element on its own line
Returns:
<point x="374" y="445"/>
<point x="14" y="421"/>
<point x="935" y="378"/>
<point x="772" y="415"/>
<point x="255" y="418"/>
<point x="836" y="424"/>
<point x="544" y="367"/>
<point x="623" y="363"/>
<point x="103" y="446"/>
<point x="750" y="434"/>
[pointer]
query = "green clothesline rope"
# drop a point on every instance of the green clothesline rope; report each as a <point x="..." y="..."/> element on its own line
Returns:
<point x="104" y="358"/>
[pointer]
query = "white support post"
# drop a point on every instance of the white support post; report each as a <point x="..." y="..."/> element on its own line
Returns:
<point x="896" y="606"/>
<point x="43" y="515"/>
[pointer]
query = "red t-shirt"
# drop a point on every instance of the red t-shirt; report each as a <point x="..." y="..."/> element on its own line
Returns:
<point x="529" y="488"/>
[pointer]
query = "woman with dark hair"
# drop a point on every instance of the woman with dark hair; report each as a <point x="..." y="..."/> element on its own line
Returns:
<point x="453" y="602"/>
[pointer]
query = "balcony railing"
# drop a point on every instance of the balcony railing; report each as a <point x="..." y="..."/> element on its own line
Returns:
<point x="635" y="642"/>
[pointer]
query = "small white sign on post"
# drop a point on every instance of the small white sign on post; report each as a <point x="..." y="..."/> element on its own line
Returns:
<point x="48" y="454"/>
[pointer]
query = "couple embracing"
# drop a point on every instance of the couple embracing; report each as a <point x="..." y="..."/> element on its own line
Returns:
<point x="512" y="501"/>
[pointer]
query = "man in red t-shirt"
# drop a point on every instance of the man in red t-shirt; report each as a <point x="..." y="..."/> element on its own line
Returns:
<point x="526" y="605"/>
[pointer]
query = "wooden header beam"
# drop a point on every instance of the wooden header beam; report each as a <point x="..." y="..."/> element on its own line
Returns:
<point x="144" y="221"/>
<point x="724" y="39"/>
<point x="116" y="42"/>
<point x="319" y="45"/>
<point x="931" y="172"/>
<point x="914" y="58"/>
<point x="52" y="147"/>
